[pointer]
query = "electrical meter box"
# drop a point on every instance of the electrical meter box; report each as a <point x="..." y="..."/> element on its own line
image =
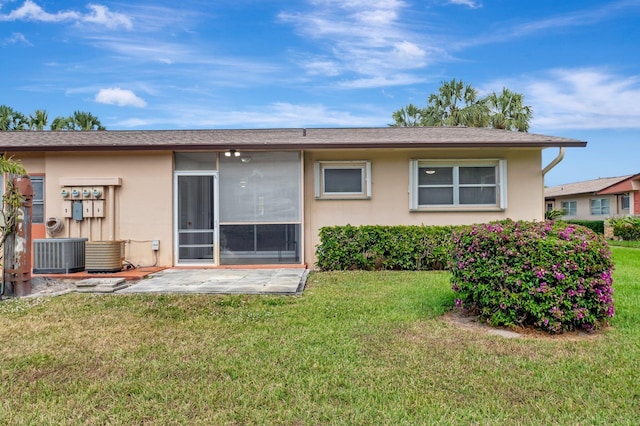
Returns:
<point x="67" y="208"/>
<point x="87" y="208"/>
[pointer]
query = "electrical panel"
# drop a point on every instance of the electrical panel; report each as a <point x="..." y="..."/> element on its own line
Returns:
<point x="82" y="202"/>
<point x="77" y="210"/>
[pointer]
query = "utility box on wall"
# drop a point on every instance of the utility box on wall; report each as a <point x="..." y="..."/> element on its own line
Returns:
<point x="77" y="210"/>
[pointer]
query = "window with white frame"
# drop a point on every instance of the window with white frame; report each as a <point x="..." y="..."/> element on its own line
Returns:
<point x="549" y="207"/>
<point x="569" y="208"/>
<point x="37" y="206"/>
<point x="457" y="184"/>
<point x="342" y="179"/>
<point x="624" y="201"/>
<point x="599" y="206"/>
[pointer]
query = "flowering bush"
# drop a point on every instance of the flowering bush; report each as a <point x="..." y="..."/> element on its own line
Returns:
<point x="551" y="275"/>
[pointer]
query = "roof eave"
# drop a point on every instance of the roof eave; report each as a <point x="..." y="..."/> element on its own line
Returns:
<point x="293" y="146"/>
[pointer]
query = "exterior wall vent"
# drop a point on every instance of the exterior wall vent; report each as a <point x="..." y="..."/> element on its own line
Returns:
<point x="58" y="255"/>
<point x="104" y="256"/>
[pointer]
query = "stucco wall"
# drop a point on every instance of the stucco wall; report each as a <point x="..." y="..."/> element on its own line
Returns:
<point x="389" y="202"/>
<point x="583" y="203"/>
<point x="143" y="203"/>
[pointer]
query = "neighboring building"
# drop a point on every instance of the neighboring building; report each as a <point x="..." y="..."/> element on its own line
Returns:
<point x="239" y="197"/>
<point x="596" y="199"/>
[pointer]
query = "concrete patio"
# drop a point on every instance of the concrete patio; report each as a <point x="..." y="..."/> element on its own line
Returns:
<point x="223" y="281"/>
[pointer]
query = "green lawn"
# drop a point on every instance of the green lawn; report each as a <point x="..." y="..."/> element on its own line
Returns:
<point x="356" y="348"/>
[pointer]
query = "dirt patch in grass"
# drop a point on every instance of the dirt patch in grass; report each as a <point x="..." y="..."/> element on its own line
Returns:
<point x="464" y="319"/>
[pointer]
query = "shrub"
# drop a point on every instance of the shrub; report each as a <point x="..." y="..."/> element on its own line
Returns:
<point x="596" y="226"/>
<point x="553" y="214"/>
<point x="627" y="228"/>
<point x="551" y="275"/>
<point x="384" y="247"/>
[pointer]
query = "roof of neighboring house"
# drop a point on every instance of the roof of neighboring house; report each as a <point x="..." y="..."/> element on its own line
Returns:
<point x="586" y="187"/>
<point x="632" y="183"/>
<point x="316" y="138"/>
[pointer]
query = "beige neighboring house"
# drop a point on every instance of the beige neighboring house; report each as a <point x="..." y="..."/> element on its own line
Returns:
<point x="245" y="197"/>
<point x="596" y="199"/>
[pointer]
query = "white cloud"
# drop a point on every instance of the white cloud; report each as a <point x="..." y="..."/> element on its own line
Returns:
<point x="274" y="115"/>
<point x="585" y="98"/>
<point x="120" y="97"/>
<point x="30" y="11"/>
<point x="381" y="81"/>
<point x="16" y="38"/>
<point x="103" y="16"/>
<point x="367" y="38"/>
<point x="469" y="3"/>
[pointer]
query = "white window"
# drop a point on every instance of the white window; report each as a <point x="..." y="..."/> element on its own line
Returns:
<point x="37" y="209"/>
<point x="599" y="206"/>
<point x="549" y="207"/>
<point x="343" y="179"/>
<point x="569" y="208"/>
<point x="624" y="202"/>
<point x="456" y="184"/>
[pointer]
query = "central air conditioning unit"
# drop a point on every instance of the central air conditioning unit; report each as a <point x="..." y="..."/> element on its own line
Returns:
<point x="58" y="255"/>
<point x="104" y="256"/>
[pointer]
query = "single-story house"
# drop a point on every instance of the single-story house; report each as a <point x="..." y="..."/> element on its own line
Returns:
<point x="240" y="197"/>
<point x="596" y="199"/>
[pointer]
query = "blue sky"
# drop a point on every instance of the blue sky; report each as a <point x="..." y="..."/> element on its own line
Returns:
<point x="330" y="63"/>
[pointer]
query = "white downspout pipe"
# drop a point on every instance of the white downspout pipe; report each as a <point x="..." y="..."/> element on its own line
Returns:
<point x="554" y="162"/>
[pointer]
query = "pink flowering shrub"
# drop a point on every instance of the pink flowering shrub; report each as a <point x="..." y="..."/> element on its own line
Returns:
<point x="551" y="275"/>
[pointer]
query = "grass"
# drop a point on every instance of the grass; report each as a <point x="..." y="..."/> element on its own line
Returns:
<point x="620" y="243"/>
<point x="355" y="348"/>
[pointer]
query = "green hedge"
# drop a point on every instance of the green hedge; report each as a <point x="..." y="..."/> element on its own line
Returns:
<point x="596" y="226"/>
<point x="374" y="247"/>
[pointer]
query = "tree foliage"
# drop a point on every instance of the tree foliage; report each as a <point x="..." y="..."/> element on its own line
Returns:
<point x="11" y="119"/>
<point x="457" y="104"/>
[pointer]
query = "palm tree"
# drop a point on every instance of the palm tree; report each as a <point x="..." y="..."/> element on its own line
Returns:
<point x="38" y="120"/>
<point x="11" y="119"/>
<point x="62" y="123"/>
<point x="408" y="117"/>
<point x="86" y="121"/>
<point x="456" y="104"/>
<point x="508" y="111"/>
<point x="80" y="120"/>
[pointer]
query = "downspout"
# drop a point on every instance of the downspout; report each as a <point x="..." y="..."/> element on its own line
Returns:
<point x="554" y="162"/>
<point x="550" y="166"/>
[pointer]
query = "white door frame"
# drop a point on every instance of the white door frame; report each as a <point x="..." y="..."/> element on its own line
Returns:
<point x="176" y="219"/>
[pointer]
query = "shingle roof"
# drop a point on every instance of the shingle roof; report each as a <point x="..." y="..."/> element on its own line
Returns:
<point x="316" y="138"/>
<point x="585" y="187"/>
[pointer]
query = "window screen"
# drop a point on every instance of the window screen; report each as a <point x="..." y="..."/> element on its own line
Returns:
<point x="260" y="187"/>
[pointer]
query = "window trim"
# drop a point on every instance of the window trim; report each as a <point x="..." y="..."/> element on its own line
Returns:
<point x="567" y="212"/>
<point x="365" y="174"/>
<point x="39" y="202"/>
<point x="601" y="199"/>
<point x="624" y="197"/>
<point x="500" y="185"/>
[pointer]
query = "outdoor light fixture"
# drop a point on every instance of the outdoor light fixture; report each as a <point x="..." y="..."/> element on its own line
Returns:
<point x="232" y="153"/>
<point x="430" y="172"/>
